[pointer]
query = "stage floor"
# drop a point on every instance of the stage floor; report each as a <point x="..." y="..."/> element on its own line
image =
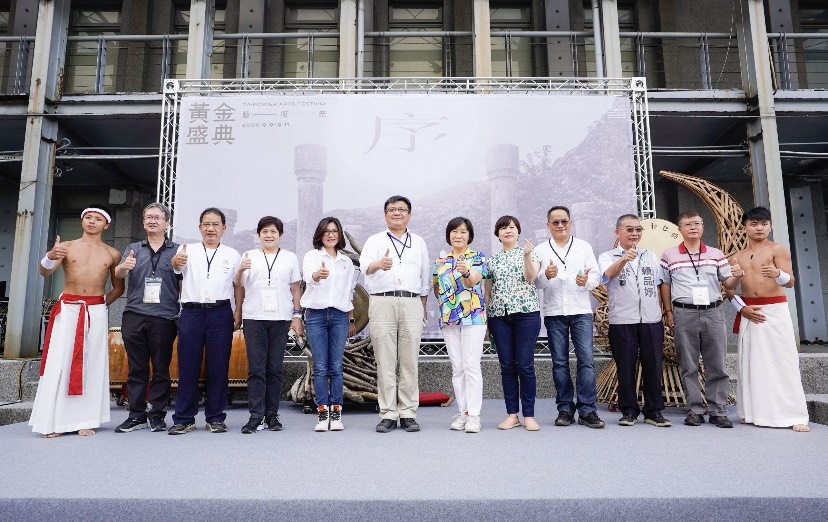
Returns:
<point x="639" y="472"/>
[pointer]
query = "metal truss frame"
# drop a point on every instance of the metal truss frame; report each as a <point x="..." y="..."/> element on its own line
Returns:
<point x="634" y="88"/>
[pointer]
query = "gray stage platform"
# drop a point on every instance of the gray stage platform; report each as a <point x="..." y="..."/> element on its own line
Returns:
<point x="618" y="473"/>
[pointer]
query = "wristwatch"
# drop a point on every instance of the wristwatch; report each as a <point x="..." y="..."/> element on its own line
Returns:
<point x="351" y="321"/>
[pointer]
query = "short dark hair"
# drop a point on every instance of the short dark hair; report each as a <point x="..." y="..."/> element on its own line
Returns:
<point x="394" y="199"/>
<point x="213" y="210"/>
<point x="625" y="217"/>
<point x="756" y="214"/>
<point x="456" y="222"/>
<point x="558" y="207"/>
<point x="690" y="212"/>
<point x="503" y="222"/>
<point x="320" y="233"/>
<point x="270" y="220"/>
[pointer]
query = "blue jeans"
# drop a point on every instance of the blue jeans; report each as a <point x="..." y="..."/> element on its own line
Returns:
<point x="515" y="336"/>
<point x="559" y="328"/>
<point x="327" y="331"/>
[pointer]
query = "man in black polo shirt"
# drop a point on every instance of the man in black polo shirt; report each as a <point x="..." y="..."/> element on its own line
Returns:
<point x="148" y="325"/>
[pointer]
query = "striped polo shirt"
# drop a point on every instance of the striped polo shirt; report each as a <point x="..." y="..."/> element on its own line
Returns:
<point x="683" y="270"/>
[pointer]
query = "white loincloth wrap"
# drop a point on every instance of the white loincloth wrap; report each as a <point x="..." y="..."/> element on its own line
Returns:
<point x="769" y="387"/>
<point x="54" y="410"/>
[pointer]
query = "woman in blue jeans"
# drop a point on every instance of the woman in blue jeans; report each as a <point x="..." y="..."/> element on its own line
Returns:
<point x="514" y="320"/>
<point x="329" y="317"/>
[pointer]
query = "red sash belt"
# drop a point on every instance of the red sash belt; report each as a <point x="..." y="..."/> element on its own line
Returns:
<point x="76" y="372"/>
<point x="754" y="301"/>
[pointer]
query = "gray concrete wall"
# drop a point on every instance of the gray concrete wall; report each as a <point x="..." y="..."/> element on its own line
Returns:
<point x="681" y="62"/>
<point x="8" y="218"/>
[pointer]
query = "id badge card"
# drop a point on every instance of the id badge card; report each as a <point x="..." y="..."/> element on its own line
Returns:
<point x="701" y="295"/>
<point x="270" y="301"/>
<point x="206" y="291"/>
<point x="152" y="290"/>
<point x="563" y="275"/>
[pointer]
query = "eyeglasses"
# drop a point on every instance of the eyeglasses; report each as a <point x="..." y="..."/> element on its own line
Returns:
<point x="331" y="232"/>
<point x="630" y="230"/>
<point x="559" y="223"/>
<point x="154" y="218"/>
<point x="694" y="224"/>
<point x="395" y="210"/>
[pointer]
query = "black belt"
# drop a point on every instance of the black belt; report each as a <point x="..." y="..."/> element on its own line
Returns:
<point x="697" y="307"/>
<point x="397" y="293"/>
<point x="206" y="305"/>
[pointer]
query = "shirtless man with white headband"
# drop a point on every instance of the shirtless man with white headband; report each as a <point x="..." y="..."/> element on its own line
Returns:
<point x="73" y="393"/>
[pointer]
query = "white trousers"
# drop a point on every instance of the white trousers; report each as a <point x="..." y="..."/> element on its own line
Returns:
<point x="465" y="348"/>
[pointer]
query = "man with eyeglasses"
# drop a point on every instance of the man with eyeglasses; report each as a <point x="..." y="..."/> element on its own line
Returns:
<point x="692" y="272"/>
<point x="211" y="308"/>
<point x="636" y="331"/>
<point x="148" y="326"/>
<point x="398" y="277"/>
<point x="569" y="273"/>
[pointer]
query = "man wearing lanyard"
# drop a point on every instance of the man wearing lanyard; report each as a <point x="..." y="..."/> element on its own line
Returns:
<point x="398" y="277"/>
<point x="208" y="318"/>
<point x="148" y="325"/>
<point x="569" y="273"/>
<point x="691" y="272"/>
<point x="636" y="331"/>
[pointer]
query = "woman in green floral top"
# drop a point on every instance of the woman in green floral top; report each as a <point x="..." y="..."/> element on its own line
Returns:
<point x="458" y="275"/>
<point x="514" y="320"/>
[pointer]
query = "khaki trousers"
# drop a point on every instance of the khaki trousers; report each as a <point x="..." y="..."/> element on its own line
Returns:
<point x="396" y="325"/>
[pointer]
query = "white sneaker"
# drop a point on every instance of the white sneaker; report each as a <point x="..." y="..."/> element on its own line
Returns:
<point x="473" y="424"/>
<point x="336" y="419"/>
<point x="459" y="422"/>
<point x="322" y="413"/>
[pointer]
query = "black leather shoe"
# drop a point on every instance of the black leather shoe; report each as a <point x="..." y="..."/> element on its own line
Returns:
<point x="252" y="425"/>
<point x="273" y="422"/>
<point x="694" y="419"/>
<point x="564" y="419"/>
<point x="132" y="424"/>
<point x="157" y="424"/>
<point x="386" y="425"/>
<point x="720" y="421"/>
<point x="409" y="425"/>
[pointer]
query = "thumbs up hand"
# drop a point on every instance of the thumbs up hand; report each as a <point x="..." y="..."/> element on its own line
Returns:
<point x="129" y="262"/>
<point x="322" y="273"/>
<point x="58" y="251"/>
<point x="245" y="263"/>
<point x="461" y="266"/>
<point x="385" y="261"/>
<point x="551" y="271"/>
<point x="631" y="253"/>
<point x="770" y="270"/>
<point x="179" y="261"/>
<point x="581" y="278"/>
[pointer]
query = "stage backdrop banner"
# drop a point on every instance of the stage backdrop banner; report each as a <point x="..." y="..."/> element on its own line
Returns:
<point x="301" y="158"/>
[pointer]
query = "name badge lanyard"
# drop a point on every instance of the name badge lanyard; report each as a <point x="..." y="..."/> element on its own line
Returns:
<point x="155" y="257"/>
<point x="270" y="265"/>
<point x="566" y="255"/>
<point x="210" y="258"/>
<point x="694" y="264"/>
<point x="405" y="244"/>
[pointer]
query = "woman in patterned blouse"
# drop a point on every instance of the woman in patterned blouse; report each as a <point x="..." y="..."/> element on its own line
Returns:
<point x="514" y="320"/>
<point x="458" y="275"/>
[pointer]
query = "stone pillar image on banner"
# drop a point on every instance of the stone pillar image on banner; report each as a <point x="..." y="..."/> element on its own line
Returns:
<point x="502" y="169"/>
<point x="587" y="223"/>
<point x="310" y="164"/>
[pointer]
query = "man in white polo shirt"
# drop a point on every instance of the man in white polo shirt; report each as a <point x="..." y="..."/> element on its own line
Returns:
<point x="398" y="277"/>
<point x="208" y="318"/>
